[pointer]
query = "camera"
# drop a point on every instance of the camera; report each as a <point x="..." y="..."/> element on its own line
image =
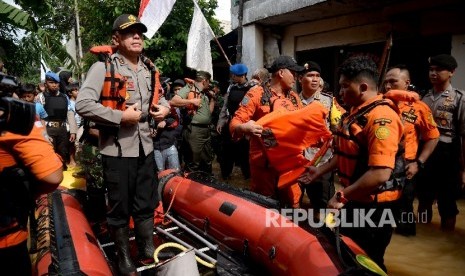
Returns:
<point x="16" y="116"/>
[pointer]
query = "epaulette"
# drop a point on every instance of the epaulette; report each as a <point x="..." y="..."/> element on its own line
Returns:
<point x="461" y="92"/>
<point x="327" y="94"/>
<point x="251" y="84"/>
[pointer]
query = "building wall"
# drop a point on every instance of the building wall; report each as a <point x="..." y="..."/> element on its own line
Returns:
<point x="347" y="30"/>
<point x="458" y="51"/>
<point x="252" y="49"/>
<point x="255" y="10"/>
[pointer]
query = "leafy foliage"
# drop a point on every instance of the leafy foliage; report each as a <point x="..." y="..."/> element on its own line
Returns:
<point x="41" y="39"/>
<point x="167" y="48"/>
<point x="90" y="161"/>
<point x="48" y="23"/>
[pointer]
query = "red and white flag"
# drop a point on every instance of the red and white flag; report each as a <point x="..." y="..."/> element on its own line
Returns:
<point x="152" y="13"/>
<point x="198" y="54"/>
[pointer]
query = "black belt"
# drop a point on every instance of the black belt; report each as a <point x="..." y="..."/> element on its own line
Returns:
<point x="200" y="125"/>
<point x="143" y="119"/>
<point x="56" y="124"/>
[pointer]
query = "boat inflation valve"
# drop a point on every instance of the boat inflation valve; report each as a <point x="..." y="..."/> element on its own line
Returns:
<point x="272" y="253"/>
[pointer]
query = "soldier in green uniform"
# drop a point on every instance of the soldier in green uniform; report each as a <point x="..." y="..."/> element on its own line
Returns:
<point x="200" y="103"/>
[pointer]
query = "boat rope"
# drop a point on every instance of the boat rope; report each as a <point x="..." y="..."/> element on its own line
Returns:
<point x="181" y="247"/>
<point x="172" y="200"/>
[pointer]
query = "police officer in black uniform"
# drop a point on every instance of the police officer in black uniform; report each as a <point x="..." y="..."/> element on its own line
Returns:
<point x="234" y="152"/>
<point x="59" y="113"/>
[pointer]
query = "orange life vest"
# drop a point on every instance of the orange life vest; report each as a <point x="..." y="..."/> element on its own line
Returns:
<point x="114" y="87"/>
<point x="114" y="92"/>
<point x="287" y="133"/>
<point x="353" y="158"/>
<point x="193" y="94"/>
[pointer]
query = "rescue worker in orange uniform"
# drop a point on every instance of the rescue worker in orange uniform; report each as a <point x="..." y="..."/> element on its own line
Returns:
<point x="365" y="148"/>
<point x="259" y="101"/>
<point x="419" y="126"/>
<point x="28" y="167"/>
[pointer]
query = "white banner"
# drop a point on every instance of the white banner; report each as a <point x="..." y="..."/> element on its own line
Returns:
<point x="153" y="13"/>
<point x="199" y="55"/>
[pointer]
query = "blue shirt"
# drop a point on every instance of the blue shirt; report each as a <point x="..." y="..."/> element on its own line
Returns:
<point x="40" y="111"/>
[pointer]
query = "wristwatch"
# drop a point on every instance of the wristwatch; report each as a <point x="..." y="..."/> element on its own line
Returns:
<point x="340" y="197"/>
<point x="421" y="164"/>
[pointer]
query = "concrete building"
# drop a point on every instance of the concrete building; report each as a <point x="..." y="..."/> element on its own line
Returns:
<point x="328" y="31"/>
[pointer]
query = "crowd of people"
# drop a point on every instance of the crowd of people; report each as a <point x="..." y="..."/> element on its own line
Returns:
<point x="388" y="144"/>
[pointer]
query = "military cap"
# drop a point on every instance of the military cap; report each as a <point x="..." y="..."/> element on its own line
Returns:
<point x="179" y="82"/>
<point x="238" y="69"/>
<point x="203" y="75"/>
<point x="52" y="76"/>
<point x="312" y="66"/>
<point x="287" y="62"/>
<point x="447" y="62"/>
<point x="125" y="21"/>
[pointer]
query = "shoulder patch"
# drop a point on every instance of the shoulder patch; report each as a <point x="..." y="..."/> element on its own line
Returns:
<point x="431" y="119"/>
<point x="382" y="132"/>
<point x="382" y="121"/>
<point x="409" y="116"/>
<point x="245" y="100"/>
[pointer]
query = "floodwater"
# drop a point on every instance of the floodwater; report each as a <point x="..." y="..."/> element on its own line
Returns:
<point x="431" y="252"/>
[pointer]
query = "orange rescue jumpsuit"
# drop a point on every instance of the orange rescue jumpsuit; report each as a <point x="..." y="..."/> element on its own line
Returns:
<point x="37" y="155"/>
<point x="418" y="124"/>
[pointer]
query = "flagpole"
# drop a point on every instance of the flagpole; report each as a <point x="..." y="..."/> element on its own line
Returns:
<point x="222" y="51"/>
<point x="216" y="39"/>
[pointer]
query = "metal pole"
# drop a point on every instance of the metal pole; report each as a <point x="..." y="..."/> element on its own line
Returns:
<point x="190" y="231"/>
<point x="178" y="240"/>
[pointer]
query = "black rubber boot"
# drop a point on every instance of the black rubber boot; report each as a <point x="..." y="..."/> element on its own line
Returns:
<point x="425" y="213"/>
<point x="125" y="265"/>
<point x="144" y="240"/>
<point x="448" y="224"/>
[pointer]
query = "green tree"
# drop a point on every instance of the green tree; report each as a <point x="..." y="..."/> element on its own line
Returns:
<point x="42" y="26"/>
<point x="167" y="48"/>
<point x="47" y="23"/>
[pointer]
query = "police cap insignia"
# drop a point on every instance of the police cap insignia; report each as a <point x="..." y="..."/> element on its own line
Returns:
<point x="312" y="66"/>
<point x="125" y="21"/>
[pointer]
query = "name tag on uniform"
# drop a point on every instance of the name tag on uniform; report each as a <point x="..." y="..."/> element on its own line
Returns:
<point x="130" y="83"/>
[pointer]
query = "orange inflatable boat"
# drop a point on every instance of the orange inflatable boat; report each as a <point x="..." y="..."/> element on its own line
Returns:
<point x="239" y="221"/>
<point x="66" y="244"/>
<point x="234" y="224"/>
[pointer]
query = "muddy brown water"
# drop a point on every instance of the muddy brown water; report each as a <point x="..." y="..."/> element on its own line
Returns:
<point x="432" y="251"/>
